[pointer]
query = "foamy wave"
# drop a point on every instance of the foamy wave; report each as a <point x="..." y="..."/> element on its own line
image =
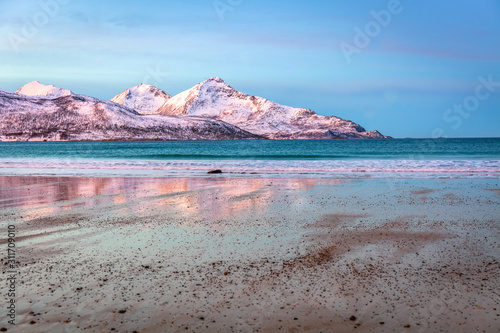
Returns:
<point x="334" y="168"/>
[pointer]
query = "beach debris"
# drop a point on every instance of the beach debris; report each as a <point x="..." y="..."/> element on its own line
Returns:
<point x="215" y="171"/>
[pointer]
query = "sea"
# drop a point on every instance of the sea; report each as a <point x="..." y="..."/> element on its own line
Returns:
<point x="354" y="158"/>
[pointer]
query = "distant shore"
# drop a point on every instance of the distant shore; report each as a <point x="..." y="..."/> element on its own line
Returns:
<point x="267" y="254"/>
<point x="145" y="139"/>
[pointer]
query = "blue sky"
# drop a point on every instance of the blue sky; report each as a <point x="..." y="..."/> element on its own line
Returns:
<point x="410" y="71"/>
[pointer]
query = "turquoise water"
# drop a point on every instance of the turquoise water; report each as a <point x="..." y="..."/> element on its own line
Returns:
<point x="350" y="158"/>
<point x="266" y="150"/>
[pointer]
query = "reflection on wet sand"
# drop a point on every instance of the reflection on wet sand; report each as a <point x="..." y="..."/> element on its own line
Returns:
<point x="198" y="198"/>
<point x="218" y="255"/>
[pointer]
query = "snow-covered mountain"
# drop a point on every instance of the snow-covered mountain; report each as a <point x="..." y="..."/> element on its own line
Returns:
<point x="35" y="88"/>
<point x="143" y="98"/>
<point x="211" y="110"/>
<point x="215" y="99"/>
<point x="78" y="117"/>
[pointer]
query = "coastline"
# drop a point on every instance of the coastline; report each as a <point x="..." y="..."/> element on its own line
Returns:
<point x="247" y="254"/>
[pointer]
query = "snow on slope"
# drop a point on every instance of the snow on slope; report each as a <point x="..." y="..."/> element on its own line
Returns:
<point x="35" y="88"/>
<point x="143" y="98"/>
<point x="215" y="99"/>
<point x="78" y="117"/>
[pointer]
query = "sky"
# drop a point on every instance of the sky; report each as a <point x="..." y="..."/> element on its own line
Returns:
<point x="408" y="68"/>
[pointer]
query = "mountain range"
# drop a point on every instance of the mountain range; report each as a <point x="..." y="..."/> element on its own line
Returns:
<point x="211" y="110"/>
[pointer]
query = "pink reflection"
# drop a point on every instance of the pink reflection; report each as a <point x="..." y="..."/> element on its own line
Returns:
<point x="209" y="199"/>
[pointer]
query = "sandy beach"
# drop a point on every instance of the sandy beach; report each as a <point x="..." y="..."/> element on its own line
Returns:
<point x="220" y="254"/>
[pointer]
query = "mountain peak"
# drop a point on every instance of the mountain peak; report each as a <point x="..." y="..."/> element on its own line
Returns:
<point x="214" y="79"/>
<point x="144" y="98"/>
<point x="213" y="98"/>
<point x="83" y="118"/>
<point x="145" y="85"/>
<point x="36" y="88"/>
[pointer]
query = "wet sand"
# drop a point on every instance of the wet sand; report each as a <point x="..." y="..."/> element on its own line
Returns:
<point x="243" y="255"/>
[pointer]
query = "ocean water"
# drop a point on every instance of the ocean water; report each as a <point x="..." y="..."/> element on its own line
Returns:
<point x="397" y="158"/>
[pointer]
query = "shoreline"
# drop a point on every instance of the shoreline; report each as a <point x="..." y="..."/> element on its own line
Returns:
<point x="247" y="254"/>
<point x="362" y="169"/>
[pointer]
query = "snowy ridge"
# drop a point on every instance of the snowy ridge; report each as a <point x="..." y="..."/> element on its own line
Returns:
<point x="35" y="88"/>
<point x="215" y="99"/>
<point x="83" y="118"/>
<point x="211" y="110"/>
<point x="143" y="98"/>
